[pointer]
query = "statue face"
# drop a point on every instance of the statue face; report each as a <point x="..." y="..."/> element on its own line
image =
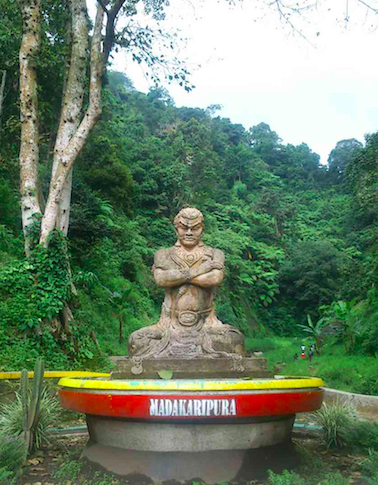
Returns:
<point x="189" y="233"/>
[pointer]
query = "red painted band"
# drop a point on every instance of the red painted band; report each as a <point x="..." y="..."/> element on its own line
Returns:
<point x="156" y="406"/>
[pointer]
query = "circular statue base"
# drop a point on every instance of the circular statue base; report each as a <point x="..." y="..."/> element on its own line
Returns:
<point x="213" y="430"/>
<point x="210" y="467"/>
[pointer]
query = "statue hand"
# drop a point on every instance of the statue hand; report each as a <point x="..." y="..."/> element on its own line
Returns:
<point x="217" y="265"/>
<point x="205" y="267"/>
<point x="208" y="266"/>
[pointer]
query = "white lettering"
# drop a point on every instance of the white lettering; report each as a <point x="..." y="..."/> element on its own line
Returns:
<point x="225" y="407"/>
<point x="197" y="407"/>
<point x="233" y="407"/>
<point x="175" y="408"/>
<point x="210" y="407"/>
<point x="154" y="407"/>
<point x="217" y="407"/>
<point x="168" y="407"/>
<point x="182" y="411"/>
<point x="161" y="408"/>
<point x="192" y="407"/>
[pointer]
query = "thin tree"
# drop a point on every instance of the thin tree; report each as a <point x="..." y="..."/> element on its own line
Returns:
<point x="75" y="123"/>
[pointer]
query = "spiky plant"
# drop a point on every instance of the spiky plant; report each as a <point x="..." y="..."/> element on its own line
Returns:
<point x="12" y="417"/>
<point x="336" y="421"/>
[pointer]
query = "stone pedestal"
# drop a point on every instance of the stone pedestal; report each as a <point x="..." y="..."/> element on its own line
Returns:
<point x="182" y="430"/>
<point x="193" y="368"/>
<point x="209" y="453"/>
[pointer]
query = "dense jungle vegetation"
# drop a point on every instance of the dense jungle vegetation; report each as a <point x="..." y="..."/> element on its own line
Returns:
<point x="300" y="238"/>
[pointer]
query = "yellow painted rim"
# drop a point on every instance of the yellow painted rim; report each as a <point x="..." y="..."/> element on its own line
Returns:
<point x="278" y="382"/>
<point x="56" y="374"/>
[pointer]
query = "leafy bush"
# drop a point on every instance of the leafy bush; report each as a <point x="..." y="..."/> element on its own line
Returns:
<point x="12" y="452"/>
<point x="334" y="478"/>
<point x="36" y="288"/>
<point x="285" y="478"/>
<point x="336" y="421"/>
<point x="12" y="457"/>
<point x="12" y="415"/>
<point x="370" y="464"/>
<point x="364" y="434"/>
<point x="6" y="477"/>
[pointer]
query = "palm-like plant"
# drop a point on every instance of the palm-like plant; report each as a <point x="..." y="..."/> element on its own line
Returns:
<point x="347" y="315"/>
<point x="316" y="330"/>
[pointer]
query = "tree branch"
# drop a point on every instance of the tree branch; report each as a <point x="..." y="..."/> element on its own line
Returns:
<point x="375" y="10"/>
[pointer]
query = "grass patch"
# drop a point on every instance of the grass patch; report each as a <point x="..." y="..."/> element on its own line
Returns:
<point x="69" y="470"/>
<point x="353" y="373"/>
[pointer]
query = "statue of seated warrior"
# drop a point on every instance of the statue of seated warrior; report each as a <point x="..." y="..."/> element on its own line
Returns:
<point x="188" y="328"/>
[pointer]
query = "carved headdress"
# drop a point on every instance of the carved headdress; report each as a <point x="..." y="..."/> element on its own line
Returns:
<point x="188" y="216"/>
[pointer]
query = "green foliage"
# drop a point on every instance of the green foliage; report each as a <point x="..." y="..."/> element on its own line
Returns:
<point x="370" y="466"/>
<point x="336" y="421"/>
<point x="285" y="478"/>
<point x="312" y="274"/>
<point x="364" y="435"/>
<point x="333" y="478"/>
<point x="294" y="237"/>
<point x="9" y="210"/>
<point x="36" y="288"/>
<point x="349" y="373"/>
<point x="316" y="330"/>
<point x="70" y="470"/>
<point x="12" y="455"/>
<point x="355" y="323"/>
<point x="346" y="320"/>
<point x="340" y="157"/>
<point x="12" y="417"/>
<point x="100" y="478"/>
<point x="362" y="178"/>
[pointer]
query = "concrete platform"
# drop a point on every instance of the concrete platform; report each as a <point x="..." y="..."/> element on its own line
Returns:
<point x="210" y="467"/>
<point x="166" y="437"/>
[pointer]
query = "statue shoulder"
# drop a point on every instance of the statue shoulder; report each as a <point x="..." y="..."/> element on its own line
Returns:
<point x="162" y="259"/>
<point x="161" y="255"/>
<point x="215" y="254"/>
<point x="218" y="256"/>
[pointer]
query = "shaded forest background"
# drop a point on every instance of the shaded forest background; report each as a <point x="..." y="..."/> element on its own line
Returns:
<point x="299" y="237"/>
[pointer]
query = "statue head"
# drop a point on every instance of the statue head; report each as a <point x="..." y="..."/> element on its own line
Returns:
<point x="189" y="226"/>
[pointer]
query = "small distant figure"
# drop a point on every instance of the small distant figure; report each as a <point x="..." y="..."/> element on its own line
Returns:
<point x="303" y="353"/>
<point x="295" y="357"/>
<point x="314" y="349"/>
<point x="310" y="354"/>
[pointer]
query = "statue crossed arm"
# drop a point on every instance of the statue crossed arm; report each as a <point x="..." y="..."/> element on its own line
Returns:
<point x="209" y="274"/>
<point x="189" y="272"/>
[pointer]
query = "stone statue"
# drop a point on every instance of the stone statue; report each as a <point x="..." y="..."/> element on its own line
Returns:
<point x="188" y="327"/>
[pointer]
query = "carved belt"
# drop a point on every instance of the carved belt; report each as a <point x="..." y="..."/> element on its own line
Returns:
<point x="188" y="318"/>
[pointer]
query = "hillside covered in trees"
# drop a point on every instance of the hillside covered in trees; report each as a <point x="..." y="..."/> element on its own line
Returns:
<point x="300" y="238"/>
